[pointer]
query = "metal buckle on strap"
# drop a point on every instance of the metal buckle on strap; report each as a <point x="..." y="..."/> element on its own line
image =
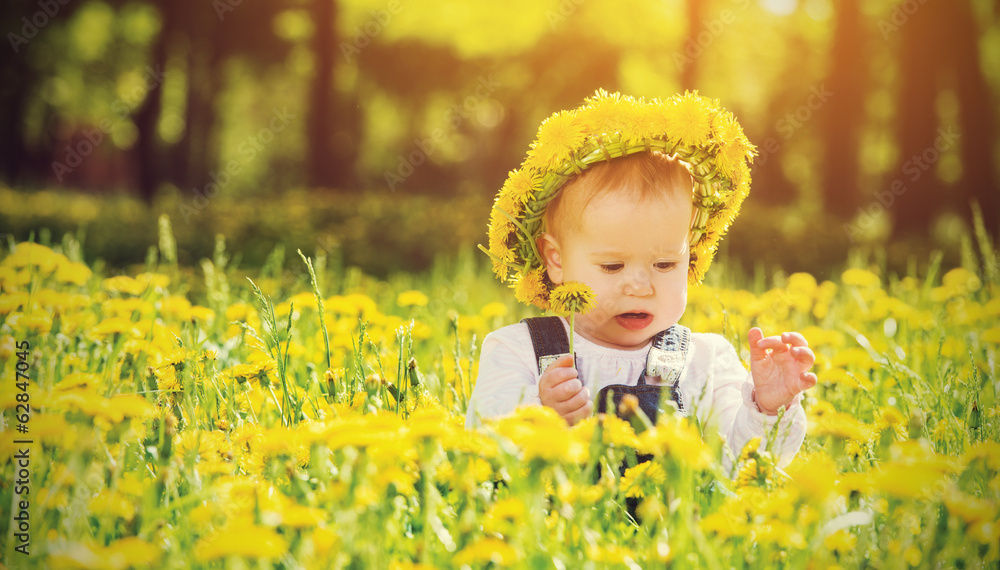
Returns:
<point x="665" y="364"/>
<point x="668" y="354"/>
<point x="546" y="361"/>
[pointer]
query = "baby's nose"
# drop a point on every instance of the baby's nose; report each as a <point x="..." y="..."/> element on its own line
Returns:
<point x="638" y="284"/>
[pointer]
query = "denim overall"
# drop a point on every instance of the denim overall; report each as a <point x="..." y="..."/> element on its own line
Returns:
<point x="666" y="360"/>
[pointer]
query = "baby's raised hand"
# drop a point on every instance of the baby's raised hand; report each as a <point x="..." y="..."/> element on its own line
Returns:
<point x="560" y="389"/>
<point x="779" y="365"/>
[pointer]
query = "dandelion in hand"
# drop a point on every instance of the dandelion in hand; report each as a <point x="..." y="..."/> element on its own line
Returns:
<point x="571" y="298"/>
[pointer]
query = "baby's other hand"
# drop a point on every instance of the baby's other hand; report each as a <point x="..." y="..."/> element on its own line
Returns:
<point x="780" y="368"/>
<point x="561" y="389"/>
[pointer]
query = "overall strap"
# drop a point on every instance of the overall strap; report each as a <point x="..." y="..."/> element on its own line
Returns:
<point x="666" y="360"/>
<point x="668" y="354"/>
<point x="548" y="337"/>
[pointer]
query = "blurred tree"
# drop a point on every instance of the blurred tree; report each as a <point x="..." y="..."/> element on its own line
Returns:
<point x="31" y="33"/>
<point x="332" y="137"/>
<point x="938" y="53"/>
<point x="202" y="38"/>
<point x="844" y="114"/>
<point x="771" y="184"/>
<point x="689" y="70"/>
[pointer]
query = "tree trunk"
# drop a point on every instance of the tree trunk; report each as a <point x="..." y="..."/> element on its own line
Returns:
<point x="940" y="50"/>
<point x="322" y="164"/>
<point x="843" y="113"/>
<point x="920" y="62"/>
<point x="17" y="81"/>
<point x="689" y="59"/>
<point x="978" y="118"/>
<point x="147" y="116"/>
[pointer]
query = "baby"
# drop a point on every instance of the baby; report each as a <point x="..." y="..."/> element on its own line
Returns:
<point x="626" y="227"/>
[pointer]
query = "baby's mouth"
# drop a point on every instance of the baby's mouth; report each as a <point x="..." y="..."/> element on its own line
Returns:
<point x="634" y="321"/>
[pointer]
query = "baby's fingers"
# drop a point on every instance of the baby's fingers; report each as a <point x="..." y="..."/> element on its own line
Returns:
<point x="584" y="411"/>
<point x="794" y="339"/>
<point x="567" y="390"/>
<point x="807" y="380"/>
<point x="804" y="355"/>
<point x="565" y="361"/>
<point x="774" y="343"/>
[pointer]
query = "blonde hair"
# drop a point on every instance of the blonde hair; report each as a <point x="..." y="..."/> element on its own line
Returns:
<point x="644" y="175"/>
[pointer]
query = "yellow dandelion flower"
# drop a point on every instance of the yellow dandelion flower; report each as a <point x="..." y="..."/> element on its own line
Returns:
<point x="840" y="542"/>
<point x="640" y="122"/>
<point x="750" y="449"/>
<point x="839" y="425"/>
<point x="500" y="254"/>
<point x="618" y="431"/>
<point x="127" y="405"/>
<point x="324" y="540"/>
<point x="131" y="552"/>
<point x="34" y="321"/>
<point x="813" y="474"/>
<point x="123" y="284"/>
<point x="510" y="204"/>
<point x="201" y="314"/>
<point x="29" y="254"/>
<point x="734" y="148"/>
<point x="530" y="289"/>
<point x="487" y="550"/>
<point x="970" y="509"/>
<point x="115" y="505"/>
<point x="493" y="310"/>
<point x="688" y="119"/>
<point x="12" y="301"/>
<point x="541" y="433"/>
<point x="606" y="113"/>
<point x="558" y="137"/>
<point x="572" y="297"/>
<point x="637" y="479"/>
<point x="240" y="539"/>
<point x="962" y="279"/>
<point x="7" y="345"/>
<point x="752" y="471"/>
<point x="358" y="400"/>
<point x="412" y="298"/>
<point x="167" y="381"/>
<point x="700" y="260"/>
<point x="73" y="272"/>
<point x="678" y="438"/>
<point x="520" y="185"/>
<point x="153" y="280"/>
<point x="176" y="307"/>
<point x="860" y="278"/>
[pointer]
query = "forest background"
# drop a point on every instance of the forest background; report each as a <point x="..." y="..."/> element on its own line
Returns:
<point x="378" y="131"/>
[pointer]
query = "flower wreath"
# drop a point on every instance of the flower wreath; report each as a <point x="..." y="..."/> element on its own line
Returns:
<point x="693" y="129"/>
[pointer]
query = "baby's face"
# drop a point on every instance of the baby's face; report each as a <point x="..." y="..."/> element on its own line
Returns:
<point x="635" y="257"/>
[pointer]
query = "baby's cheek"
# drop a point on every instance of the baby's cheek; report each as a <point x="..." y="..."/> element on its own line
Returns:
<point x="601" y="312"/>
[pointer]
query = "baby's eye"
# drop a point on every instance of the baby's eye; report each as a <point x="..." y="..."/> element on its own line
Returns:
<point x="612" y="267"/>
<point x="665" y="265"/>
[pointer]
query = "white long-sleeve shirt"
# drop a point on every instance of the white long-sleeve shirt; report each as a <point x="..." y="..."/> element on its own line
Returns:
<point x="713" y="383"/>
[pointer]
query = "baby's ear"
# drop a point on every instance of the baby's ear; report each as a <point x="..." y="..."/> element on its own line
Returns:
<point x="551" y="254"/>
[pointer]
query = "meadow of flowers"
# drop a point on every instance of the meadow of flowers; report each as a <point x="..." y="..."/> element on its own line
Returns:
<point x="314" y="417"/>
